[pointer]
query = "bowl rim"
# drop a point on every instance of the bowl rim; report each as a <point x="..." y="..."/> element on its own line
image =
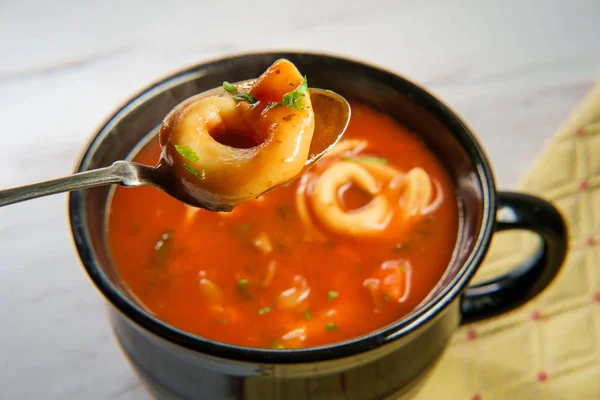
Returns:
<point x="350" y="347"/>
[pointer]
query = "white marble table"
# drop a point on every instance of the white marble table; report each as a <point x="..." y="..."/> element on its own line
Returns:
<point x="514" y="69"/>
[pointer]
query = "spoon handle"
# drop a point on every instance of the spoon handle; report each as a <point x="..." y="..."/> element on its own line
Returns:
<point x="119" y="172"/>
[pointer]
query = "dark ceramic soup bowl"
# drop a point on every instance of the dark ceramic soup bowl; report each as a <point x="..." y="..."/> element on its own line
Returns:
<point x="390" y="361"/>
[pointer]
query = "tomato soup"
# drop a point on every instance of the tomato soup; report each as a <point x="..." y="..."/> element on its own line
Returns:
<point x="355" y="244"/>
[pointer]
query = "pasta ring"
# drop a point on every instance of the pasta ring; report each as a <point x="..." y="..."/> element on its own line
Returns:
<point x="231" y="175"/>
<point x="369" y="219"/>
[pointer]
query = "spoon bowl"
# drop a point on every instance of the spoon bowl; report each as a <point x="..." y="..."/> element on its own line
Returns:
<point x="332" y="115"/>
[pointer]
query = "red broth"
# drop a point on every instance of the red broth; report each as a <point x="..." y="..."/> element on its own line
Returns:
<point x="232" y="277"/>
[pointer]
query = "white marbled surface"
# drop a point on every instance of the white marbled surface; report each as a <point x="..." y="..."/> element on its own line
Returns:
<point x="515" y="69"/>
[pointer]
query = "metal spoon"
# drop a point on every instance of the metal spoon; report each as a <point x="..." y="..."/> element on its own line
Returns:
<point x="332" y="114"/>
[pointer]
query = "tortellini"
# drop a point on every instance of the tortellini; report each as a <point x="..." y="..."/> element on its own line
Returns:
<point x="238" y="143"/>
<point x="396" y="197"/>
<point x="369" y="219"/>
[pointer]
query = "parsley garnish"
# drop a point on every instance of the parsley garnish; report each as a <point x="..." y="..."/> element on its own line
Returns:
<point x="237" y="94"/>
<point x="187" y="153"/>
<point x="244" y="96"/>
<point x="222" y="321"/>
<point x="330" y="327"/>
<point x="229" y="87"/>
<point x="332" y="295"/>
<point x="386" y="297"/>
<point x="307" y="316"/>
<point x="243" y="287"/>
<point x="199" y="175"/>
<point x="264" y="310"/>
<point x="294" y="100"/>
<point x="366" y="159"/>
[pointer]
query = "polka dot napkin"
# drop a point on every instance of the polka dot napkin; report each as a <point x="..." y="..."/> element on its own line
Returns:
<point x="548" y="349"/>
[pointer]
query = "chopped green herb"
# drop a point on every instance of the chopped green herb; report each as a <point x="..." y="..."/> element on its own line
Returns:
<point x="264" y="310"/>
<point x="229" y="87"/>
<point x="294" y="100"/>
<point x="222" y="321"/>
<point x="307" y="316"/>
<point x="199" y="175"/>
<point x="244" y="96"/>
<point x="367" y="159"/>
<point x="242" y="287"/>
<point x="330" y="327"/>
<point x="386" y="297"/>
<point x="187" y="153"/>
<point x="277" y="345"/>
<point x="403" y="268"/>
<point x="332" y="295"/>
<point x="237" y="94"/>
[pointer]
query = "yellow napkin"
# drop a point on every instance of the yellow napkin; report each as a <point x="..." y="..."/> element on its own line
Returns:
<point x="548" y="349"/>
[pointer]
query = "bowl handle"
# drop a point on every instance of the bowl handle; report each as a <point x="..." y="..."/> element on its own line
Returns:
<point x="509" y="291"/>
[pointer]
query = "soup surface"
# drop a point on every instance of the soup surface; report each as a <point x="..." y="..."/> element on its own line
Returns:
<point x="355" y="244"/>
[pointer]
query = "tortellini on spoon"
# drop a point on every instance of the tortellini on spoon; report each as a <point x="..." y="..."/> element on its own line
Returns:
<point x="237" y="142"/>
